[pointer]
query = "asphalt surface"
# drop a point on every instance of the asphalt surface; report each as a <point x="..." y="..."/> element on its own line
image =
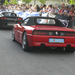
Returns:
<point x="14" y="61"/>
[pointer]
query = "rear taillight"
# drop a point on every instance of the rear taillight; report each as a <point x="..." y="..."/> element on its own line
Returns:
<point x="67" y="34"/>
<point x="72" y="34"/>
<point x="53" y="33"/>
<point x="40" y="33"/>
<point x="19" y="18"/>
<point x="3" y="17"/>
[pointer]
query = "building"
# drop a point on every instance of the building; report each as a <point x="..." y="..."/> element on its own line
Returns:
<point x="37" y="1"/>
<point x="50" y="2"/>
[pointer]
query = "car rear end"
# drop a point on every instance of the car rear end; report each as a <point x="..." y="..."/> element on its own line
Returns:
<point x="52" y="38"/>
<point x="50" y="32"/>
<point x="9" y="21"/>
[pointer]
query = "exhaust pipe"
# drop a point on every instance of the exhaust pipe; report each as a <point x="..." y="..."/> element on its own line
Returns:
<point x="42" y="45"/>
<point x="68" y="46"/>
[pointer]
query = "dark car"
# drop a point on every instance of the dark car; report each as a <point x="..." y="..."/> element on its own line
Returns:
<point x="8" y="19"/>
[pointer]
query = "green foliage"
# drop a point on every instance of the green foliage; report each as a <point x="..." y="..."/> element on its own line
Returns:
<point x="27" y="1"/>
<point x="6" y="2"/>
<point x="43" y="1"/>
<point x="71" y="2"/>
<point x="13" y="2"/>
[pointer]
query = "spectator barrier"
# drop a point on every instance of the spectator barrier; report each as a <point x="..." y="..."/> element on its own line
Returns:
<point x="73" y="23"/>
<point x="67" y="21"/>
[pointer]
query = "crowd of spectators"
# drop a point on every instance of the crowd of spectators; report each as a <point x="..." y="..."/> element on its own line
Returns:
<point x="64" y="9"/>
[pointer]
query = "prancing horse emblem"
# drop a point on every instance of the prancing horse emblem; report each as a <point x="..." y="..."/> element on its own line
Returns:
<point x="56" y="33"/>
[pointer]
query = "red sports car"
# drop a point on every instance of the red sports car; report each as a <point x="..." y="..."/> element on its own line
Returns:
<point x="43" y="31"/>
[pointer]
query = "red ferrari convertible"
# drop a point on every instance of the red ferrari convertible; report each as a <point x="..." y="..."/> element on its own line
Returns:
<point x="43" y="31"/>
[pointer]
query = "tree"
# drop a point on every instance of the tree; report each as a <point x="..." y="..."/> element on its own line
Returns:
<point x="27" y="1"/>
<point x="2" y="1"/>
<point x="71" y="1"/>
<point x="6" y="2"/>
<point x="13" y="2"/>
<point x="43" y="1"/>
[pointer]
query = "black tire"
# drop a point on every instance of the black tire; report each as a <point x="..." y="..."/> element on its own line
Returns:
<point x="25" y="45"/>
<point x="0" y="26"/>
<point x="70" y="49"/>
<point x="13" y="35"/>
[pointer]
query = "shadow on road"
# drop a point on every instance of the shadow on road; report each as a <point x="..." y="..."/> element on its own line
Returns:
<point x="41" y="51"/>
<point x="47" y="51"/>
<point x="6" y="28"/>
<point x="44" y="50"/>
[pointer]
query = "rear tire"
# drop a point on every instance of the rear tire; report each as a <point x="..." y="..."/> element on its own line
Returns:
<point x="25" y="45"/>
<point x="13" y="35"/>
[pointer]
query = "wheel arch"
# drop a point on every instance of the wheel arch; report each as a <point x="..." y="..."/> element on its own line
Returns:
<point x="23" y="34"/>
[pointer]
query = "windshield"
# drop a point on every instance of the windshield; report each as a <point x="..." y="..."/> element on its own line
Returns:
<point x="46" y="21"/>
<point x="8" y="14"/>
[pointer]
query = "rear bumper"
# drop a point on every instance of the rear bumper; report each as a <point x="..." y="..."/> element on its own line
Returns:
<point x="8" y="23"/>
<point x="52" y="45"/>
<point x="37" y="40"/>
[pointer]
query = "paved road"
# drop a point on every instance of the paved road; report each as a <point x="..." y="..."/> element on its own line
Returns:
<point x="14" y="61"/>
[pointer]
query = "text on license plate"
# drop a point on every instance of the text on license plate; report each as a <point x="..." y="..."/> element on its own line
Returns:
<point x="55" y="40"/>
<point x="11" y="23"/>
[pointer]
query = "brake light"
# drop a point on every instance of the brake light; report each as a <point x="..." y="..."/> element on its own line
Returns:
<point x="40" y="33"/>
<point x="67" y="34"/>
<point x="18" y="18"/>
<point x="4" y="17"/>
<point x="53" y="33"/>
<point x="72" y="34"/>
<point x="1" y="17"/>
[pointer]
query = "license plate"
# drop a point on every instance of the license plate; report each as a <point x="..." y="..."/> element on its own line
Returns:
<point x="11" y="19"/>
<point x="55" y="40"/>
<point x="11" y="23"/>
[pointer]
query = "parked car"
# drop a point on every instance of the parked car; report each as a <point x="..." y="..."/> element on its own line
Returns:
<point x="45" y="32"/>
<point x="8" y="19"/>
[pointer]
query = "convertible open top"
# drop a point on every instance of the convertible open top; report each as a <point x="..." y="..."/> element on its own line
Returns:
<point x="33" y="21"/>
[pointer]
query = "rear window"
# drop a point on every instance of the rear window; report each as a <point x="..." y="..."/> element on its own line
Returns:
<point x="46" y="21"/>
<point x="8" y="14"/>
